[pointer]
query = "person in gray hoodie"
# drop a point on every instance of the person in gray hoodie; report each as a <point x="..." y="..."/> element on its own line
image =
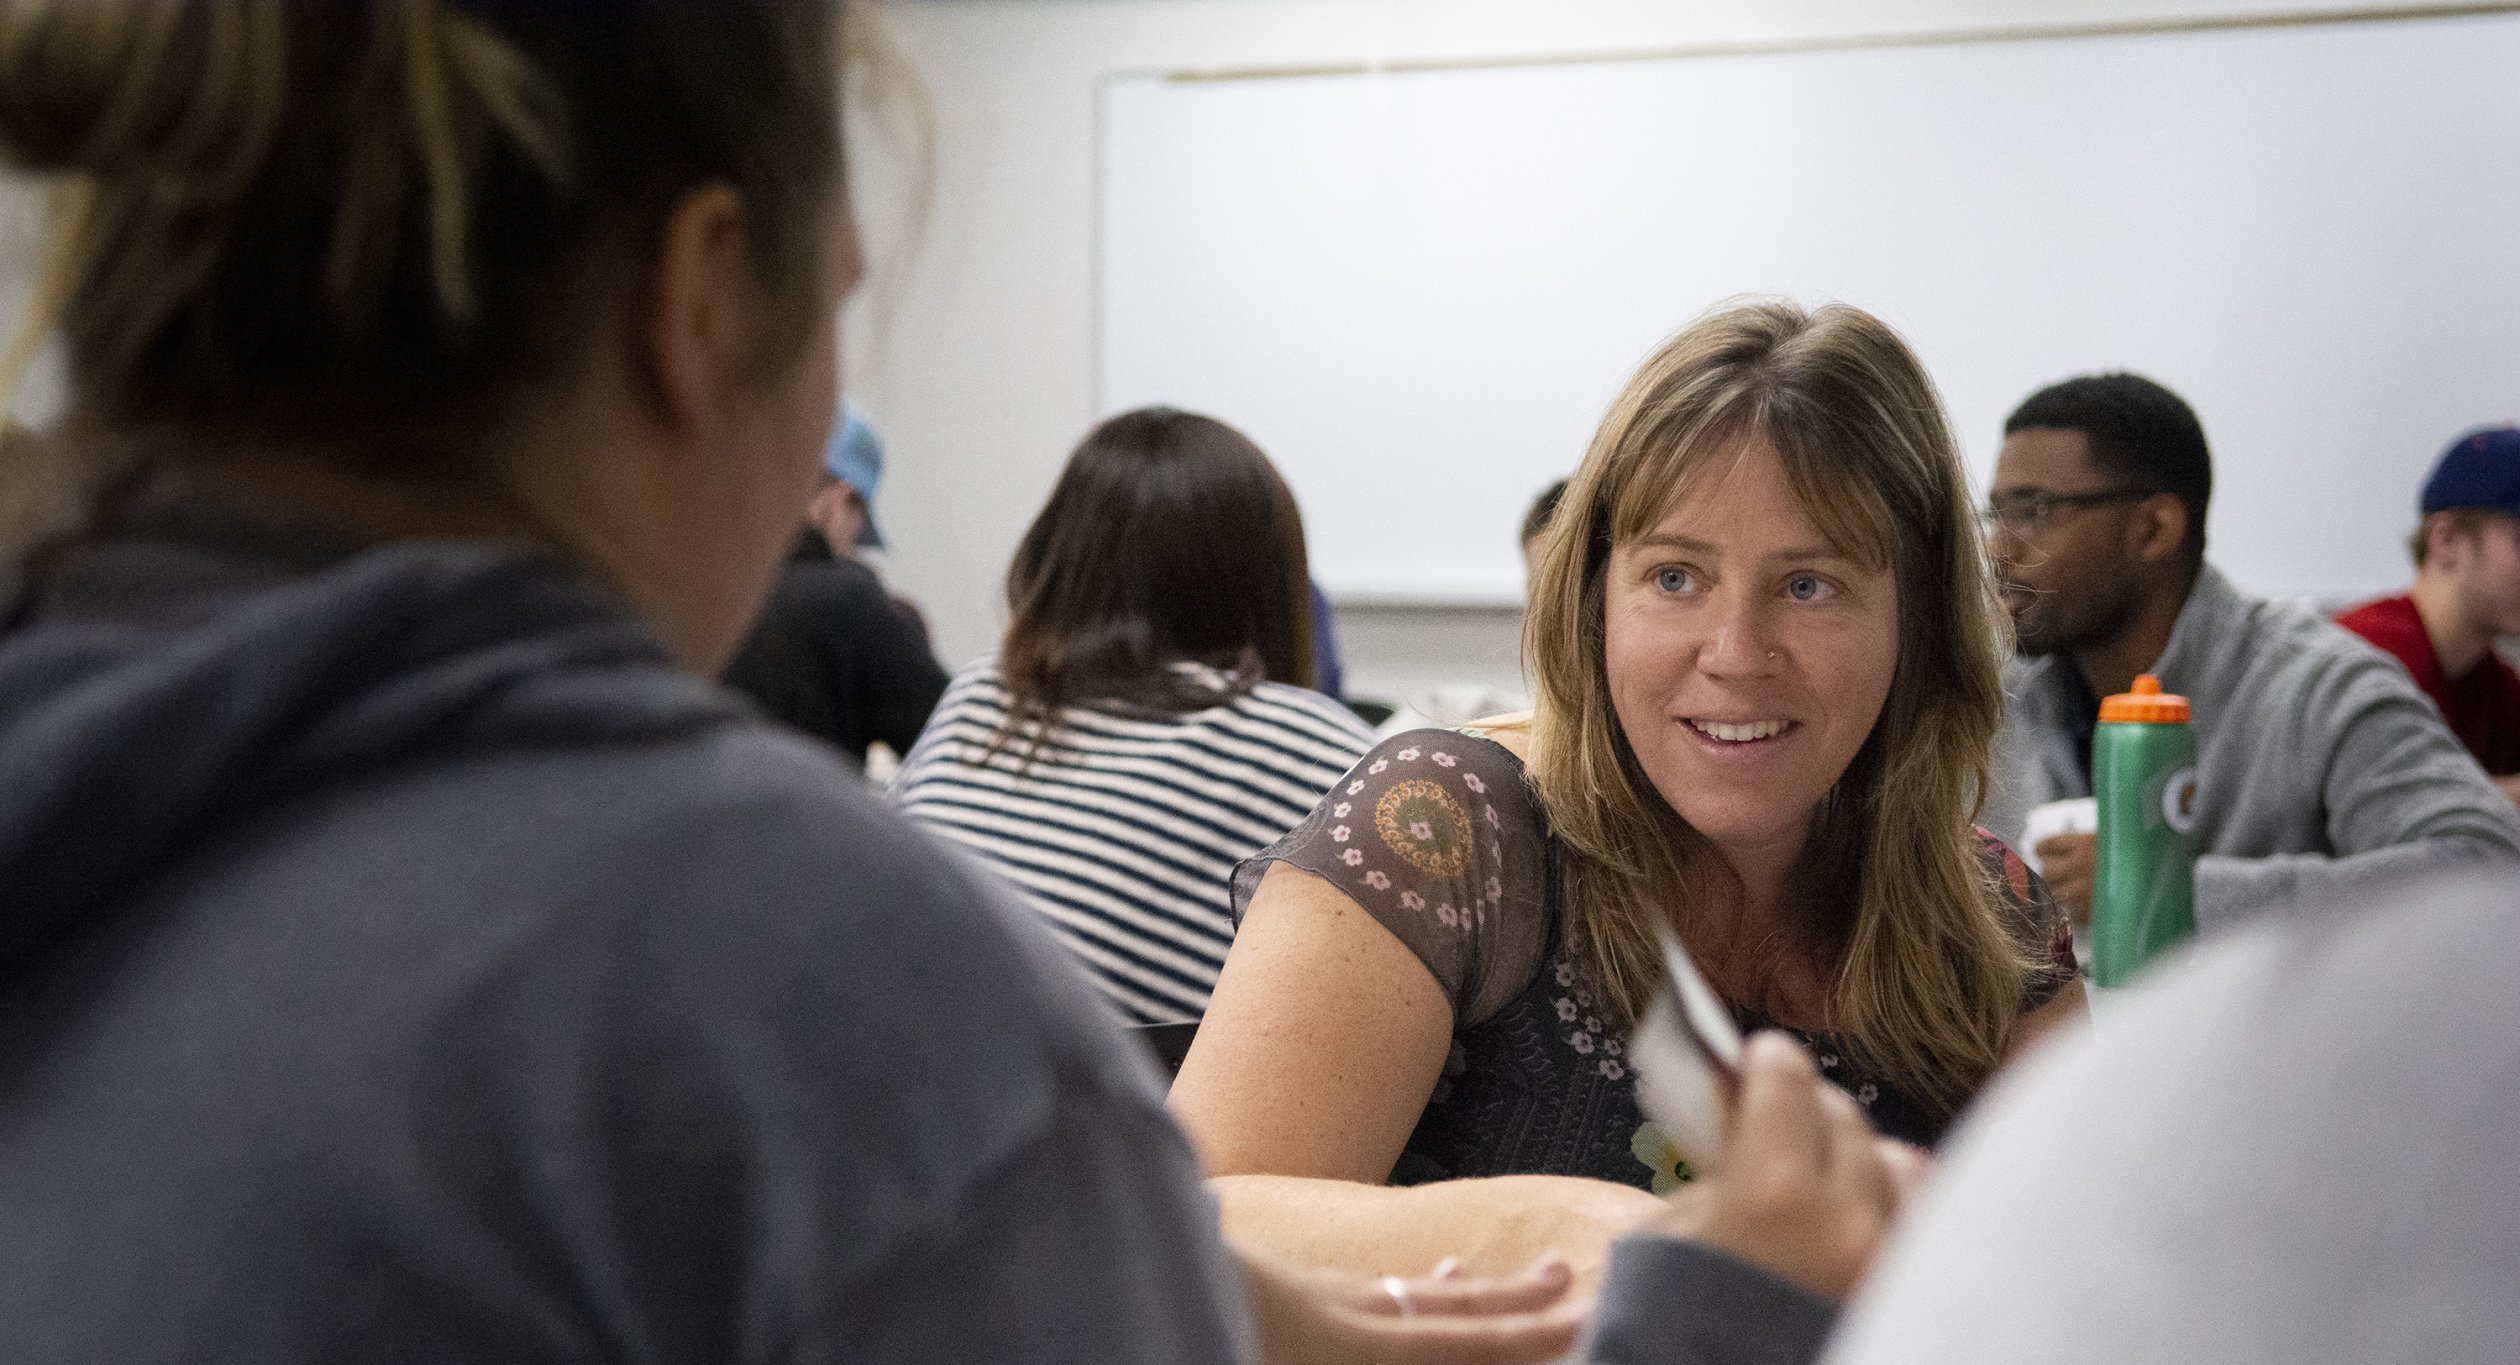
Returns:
<point x="405" y="954"/>
<point x="2321" y="770"/>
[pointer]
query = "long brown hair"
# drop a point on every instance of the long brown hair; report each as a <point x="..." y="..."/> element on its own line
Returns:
<point x="1169" y="539"/>
<point x="1928" y="970"/>
<point x="376" y="224"/>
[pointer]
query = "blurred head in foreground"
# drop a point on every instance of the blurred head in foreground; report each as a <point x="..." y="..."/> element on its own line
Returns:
<point x="567" y="273"/>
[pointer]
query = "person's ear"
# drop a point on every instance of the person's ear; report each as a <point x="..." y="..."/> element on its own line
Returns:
<point x="696" y="324"/>
<point x="2445" y="546"/>
<point x="2159" y="528"/>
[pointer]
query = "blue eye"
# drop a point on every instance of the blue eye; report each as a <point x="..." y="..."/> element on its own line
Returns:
<point x="1806" y="588"/>
<point x="1672" y="580"/>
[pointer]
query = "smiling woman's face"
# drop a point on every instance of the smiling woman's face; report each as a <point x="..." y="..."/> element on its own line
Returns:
<point x="1747" y="658"/>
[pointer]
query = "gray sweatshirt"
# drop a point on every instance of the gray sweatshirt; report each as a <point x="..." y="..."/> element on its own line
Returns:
<point x="401" y="961"/>
<point x="2322" y="771"/>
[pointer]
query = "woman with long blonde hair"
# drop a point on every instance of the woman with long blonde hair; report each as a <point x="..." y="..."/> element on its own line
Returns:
<point x="1767" y="653"/>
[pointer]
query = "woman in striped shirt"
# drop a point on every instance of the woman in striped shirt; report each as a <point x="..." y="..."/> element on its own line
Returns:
<point x="1145" y="725"/>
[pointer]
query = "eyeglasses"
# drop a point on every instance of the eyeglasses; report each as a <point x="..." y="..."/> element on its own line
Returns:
<point x="2025" y="513"/>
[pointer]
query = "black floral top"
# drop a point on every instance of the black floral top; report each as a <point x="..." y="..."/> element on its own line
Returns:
<point x="1435" y="835"/>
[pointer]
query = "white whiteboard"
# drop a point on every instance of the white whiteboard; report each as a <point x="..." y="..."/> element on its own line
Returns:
<point x="1418" y="291"/>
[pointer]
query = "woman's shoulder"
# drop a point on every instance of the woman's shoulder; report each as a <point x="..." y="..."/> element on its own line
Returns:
<point x="1433" y="835"/>
<point x="1309" y="715"/>
<point x="1510" y="731"/>
<point x="979" y="677"/>
<point x="1470" y="759"/>
<point x="1441" y="788"/>
<point x="2024" y="891"/>
<point x="975" y="687"/>
<point x="2030" y="912"/>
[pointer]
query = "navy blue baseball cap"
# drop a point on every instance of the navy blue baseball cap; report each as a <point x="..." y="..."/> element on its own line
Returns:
<point x="855" y="456"/>
<point x="2481" y="470"/>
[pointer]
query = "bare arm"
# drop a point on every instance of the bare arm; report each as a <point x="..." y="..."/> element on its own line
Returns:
<point x="1496" y="1226"/>
<point x="1319" y="1050"/>
<point x="1320" y="1045"/>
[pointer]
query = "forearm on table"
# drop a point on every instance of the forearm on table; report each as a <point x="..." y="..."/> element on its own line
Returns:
<point x="2231" y="890"/>
<point x="1492" y="1226"/>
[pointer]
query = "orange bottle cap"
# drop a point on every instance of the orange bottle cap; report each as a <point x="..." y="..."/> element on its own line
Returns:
<point x="2146" y="703"/>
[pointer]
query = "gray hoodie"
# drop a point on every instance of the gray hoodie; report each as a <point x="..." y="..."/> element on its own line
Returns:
<point x="2322" y="773"/>
<point x="400" y="960"/>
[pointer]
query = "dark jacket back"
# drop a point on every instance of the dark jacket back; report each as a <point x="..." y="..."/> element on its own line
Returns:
<point x="835" y="656"/>
<point x="399" y="960"/>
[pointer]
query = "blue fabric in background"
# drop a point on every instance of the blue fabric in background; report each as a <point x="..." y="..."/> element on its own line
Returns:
<point x="1328" y="676"/>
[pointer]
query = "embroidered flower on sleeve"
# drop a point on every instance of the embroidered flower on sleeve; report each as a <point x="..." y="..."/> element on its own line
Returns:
<point x="1581" y="1042"/>
<point x="1495" y="889"/>
<point x="1422" y="823"/>
<point x="1445" y="760"/>
<point x="1410" y="900"/>
<point x="1448" y="917"/>
<point x="1565" y="1009"/>
<point x="1352" y="857"/>
<point x="1378" y="880"/>
<point x="1613" y="1046"/>
<point x="1476" y="783"/>
<point x="1565" y="974"/>
<point x="1408" y="755"/>
<point x="1377" y="765"/>
<point x="1339" y="834"/>
<point x="1340" y="811"/>
<point x="1490" y="813"/>
<point x="1357" y="786"/>
<point x="1612" y="1069"/>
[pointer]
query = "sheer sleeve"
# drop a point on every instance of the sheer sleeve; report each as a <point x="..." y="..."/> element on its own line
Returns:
<point x="2034" y="918"/>
<point x="1435" y="835"/>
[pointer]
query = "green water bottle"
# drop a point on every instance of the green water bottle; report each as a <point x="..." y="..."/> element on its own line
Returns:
<point x="2143" y="770"/>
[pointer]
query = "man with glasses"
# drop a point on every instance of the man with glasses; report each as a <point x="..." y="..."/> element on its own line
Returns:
<point x="2320" y="767"/>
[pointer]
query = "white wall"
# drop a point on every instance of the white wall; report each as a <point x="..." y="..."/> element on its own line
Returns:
<point x="982" y="380"/>
<point x="980" y="374"/>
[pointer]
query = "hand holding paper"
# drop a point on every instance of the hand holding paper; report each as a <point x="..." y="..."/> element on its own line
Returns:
<point x="1808" y="1191"/>
<point x="1687" y="1052"/>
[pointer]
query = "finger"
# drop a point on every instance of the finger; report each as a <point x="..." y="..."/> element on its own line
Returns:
<point x="1777" y="1124"/>
<point x="1908" y="1167"/>
<point x="1852" y="1164"/>
<point x="1530" y="1291"/>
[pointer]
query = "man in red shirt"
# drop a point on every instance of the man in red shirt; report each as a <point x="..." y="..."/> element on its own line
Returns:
<point x="2466" y="596"/>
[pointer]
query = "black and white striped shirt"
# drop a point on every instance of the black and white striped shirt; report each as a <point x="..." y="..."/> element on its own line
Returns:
<point x="1125" y="830"/>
